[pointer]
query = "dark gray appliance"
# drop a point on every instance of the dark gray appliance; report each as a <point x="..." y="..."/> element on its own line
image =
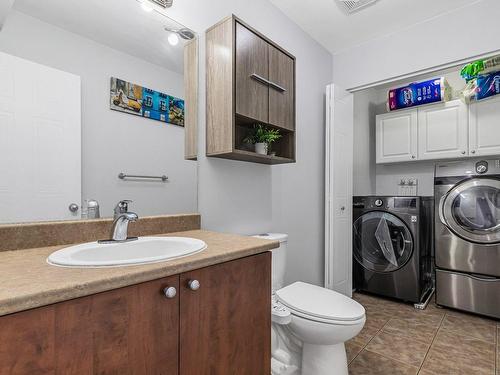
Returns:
<point x="392" y="246"/>
<point x="467" y="233"/>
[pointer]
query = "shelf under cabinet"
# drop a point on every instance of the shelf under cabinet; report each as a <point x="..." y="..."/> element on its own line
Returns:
<point x="250" y="156"/>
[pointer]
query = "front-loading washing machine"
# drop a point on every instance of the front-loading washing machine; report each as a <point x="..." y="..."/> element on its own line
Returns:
<point x="467" y="235"/>
<point x="392" y="246"/>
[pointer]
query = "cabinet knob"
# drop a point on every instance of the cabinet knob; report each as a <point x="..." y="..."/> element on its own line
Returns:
<point x="413" y="157"/>
<point x="170" y="292"/>
<point x="193" y="284"/>
<point x="473" y="151"/>
<point x="463" y="152"/>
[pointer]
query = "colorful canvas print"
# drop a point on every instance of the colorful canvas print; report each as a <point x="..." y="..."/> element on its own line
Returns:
<point x="141" y="101"/>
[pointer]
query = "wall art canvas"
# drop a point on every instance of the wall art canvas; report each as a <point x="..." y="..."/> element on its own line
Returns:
<point x="141" y="101"/>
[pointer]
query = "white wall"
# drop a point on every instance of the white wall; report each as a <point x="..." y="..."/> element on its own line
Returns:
<point x="465" y="32"/>
<point x="112" y="141"/>
<point x="250" y="198"/>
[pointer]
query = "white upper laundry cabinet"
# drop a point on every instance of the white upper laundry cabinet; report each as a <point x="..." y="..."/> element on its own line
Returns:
<point x="484" y="127"/>
<point x="443" y="131"/>
<point x="450" y="130"/>
<point x="396" y="135"/>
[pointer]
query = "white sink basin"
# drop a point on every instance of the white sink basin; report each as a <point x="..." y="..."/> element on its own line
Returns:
<point x="141" y="251"/>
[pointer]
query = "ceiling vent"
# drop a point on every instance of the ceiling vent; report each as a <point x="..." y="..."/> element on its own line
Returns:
<point x="163" y="3"/>
<point x="352" y="6"/>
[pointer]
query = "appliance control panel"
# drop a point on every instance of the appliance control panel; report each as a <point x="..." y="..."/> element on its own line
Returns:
<point x="387" y="203"/>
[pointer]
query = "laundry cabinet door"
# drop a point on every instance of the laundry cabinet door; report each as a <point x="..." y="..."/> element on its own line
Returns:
<point x="443" y="131"/>
<point x="225" y="318"/>
<point x="396" y="137"/>
<point x="252" y="74"/>
<point x="484" y="127"/>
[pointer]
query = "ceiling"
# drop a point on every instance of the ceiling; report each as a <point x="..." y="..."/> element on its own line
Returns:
<point x="119" y="24"/>
<point x="325" y="22"/>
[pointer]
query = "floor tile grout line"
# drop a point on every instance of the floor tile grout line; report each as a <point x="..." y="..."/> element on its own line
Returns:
<point x="392" y="359"/>
<point x="432" y="342"/>
<point x="364" y="347"/>
<point x="466" y="335"/>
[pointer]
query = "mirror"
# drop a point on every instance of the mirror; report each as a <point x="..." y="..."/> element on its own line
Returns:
<point x="94" y="108"/>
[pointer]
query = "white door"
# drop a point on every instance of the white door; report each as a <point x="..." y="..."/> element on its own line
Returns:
<point x="443" y="131"/>
<point x="484" y="131"/>
<point x="40" y="141"/>
<point x="396" y="137"/>
<point x="338" y="200"/>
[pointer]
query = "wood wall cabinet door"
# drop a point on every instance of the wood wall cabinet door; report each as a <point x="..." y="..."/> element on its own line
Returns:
<point x="396" y="137"/>
<point x="226" y="323"/>
<point x="252" y="94"/>
<point x="132" y="330"/>
<point x="484" y="127"/>
<point x="443" y="131"/>
<point x="281" y="95"/>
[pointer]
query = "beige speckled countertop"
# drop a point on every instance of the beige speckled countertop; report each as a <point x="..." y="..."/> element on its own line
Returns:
<point x="28" y="281"/>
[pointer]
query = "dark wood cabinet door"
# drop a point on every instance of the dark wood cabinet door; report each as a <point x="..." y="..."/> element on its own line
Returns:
<point x="252" y="95"/>
<point x="226" y="323"/>
<point x="132" y="330"/>
<point x="282" y="96"/>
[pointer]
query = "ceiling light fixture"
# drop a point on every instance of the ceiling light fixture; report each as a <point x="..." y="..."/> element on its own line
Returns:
<point x="173" y="39"/>
<point x="184" y="33"/>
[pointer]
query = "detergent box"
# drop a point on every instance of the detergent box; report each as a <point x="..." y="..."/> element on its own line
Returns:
<point x="419" y="93"/>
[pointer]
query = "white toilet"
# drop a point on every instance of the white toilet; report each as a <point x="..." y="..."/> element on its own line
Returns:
<point x="310" y="323"/>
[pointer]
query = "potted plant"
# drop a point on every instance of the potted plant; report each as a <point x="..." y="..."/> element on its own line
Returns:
<point x="262" y="137"/>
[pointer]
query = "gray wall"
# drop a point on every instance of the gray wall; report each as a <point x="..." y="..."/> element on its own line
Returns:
<point x="113" y="141"/>
<point x="249" y="198"/>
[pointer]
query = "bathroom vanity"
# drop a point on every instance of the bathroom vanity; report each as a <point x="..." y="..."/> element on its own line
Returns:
<point x="208" y="313"/>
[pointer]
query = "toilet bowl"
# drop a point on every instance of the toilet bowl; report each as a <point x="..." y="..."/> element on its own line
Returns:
<point x="310" y="323"/>
<point x="323" y="320"/>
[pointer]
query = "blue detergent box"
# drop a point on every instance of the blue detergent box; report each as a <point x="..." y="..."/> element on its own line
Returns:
<point x="419" y="93"/>
<point x="488" y="85"/>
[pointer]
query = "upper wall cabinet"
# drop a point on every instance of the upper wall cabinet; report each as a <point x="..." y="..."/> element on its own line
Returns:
<point x="396" y="135"/>
<point x="440" y="131"/>
<point x="484" y="127"/>
<point x="443" y="131"/>
<point x="250" y="80"/>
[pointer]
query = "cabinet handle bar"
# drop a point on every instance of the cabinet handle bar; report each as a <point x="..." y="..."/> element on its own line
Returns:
<point x="267" y="82"/>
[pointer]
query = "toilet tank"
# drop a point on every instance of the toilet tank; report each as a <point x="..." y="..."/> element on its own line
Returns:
<point x="279" y="258"/>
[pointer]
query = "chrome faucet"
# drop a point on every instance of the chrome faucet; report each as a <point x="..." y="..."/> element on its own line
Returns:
<point x="122" y="217"/>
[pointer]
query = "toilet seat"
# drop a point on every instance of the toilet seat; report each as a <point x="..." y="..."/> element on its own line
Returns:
<point x="320" y="304"/>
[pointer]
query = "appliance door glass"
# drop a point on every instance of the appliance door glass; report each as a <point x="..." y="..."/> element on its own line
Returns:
<point x="382" y="242"/>
<point x="472" y="210"/>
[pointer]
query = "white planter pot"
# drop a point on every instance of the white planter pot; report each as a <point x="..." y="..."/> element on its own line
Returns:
<point x="261" y="148"/>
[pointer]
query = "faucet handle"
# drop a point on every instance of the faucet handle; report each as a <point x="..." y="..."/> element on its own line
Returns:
<point x="122" y="206"/>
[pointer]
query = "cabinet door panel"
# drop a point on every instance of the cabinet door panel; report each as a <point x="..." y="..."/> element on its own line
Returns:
<point x="226" y="324"/>
<point x="252" y="96"/>
<point x="281" y="103"/>
<point x="443" y="131"/>
<point x="132" y="330"/>
<point x="484" y="131"/>
<point x="396" y="137"/>
<point x="27" y="342"/>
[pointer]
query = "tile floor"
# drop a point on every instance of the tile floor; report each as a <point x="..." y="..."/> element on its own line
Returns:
<point x="397" y="339"/>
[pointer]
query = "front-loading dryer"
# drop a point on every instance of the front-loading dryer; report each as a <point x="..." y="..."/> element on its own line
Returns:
<point x="467" y="235"/>
<point x="392" y="245"/>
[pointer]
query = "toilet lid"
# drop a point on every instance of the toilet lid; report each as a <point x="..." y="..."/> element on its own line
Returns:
<point x="315" y="301"/>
